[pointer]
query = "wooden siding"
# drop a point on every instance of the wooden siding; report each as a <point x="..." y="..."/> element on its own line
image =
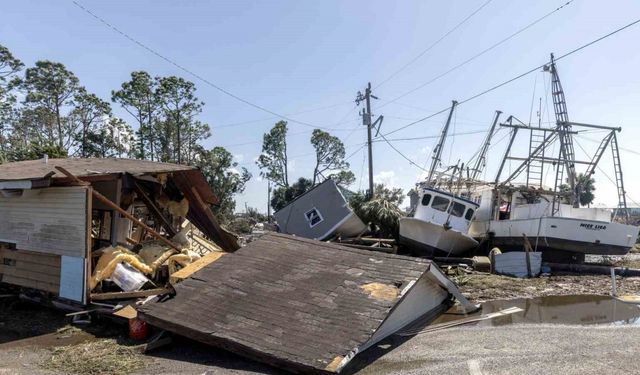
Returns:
<point x="30" y="269"/>
<point x="51" y="220"/>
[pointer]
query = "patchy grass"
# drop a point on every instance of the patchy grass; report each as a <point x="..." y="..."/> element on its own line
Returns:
<point x="101" y="357"/>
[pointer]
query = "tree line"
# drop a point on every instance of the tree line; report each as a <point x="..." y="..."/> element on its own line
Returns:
<point x="274" y="164"/>
<point x="44" y="109"/>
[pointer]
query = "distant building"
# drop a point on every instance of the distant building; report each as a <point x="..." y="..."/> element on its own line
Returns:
<point x="320" y="213"/>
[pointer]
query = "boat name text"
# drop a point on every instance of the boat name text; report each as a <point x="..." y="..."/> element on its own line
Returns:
<point x="590" y="226"/>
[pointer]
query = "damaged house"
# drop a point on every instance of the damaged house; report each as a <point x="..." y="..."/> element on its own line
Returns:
<point x="320" y="213"/>
<point x="88" y="230"/>
<point x="67" y="225"/>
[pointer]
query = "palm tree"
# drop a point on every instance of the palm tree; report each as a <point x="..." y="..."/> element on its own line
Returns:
<point x="585" y="187"/>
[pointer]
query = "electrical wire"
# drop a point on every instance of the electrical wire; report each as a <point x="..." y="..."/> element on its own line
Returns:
<point x="193" y="74"/>
<point x="431" y="136"/>
<point x="405" y="66"/>
<point x="495" y="45"/>
<point x="274" y="118"/>
<point x="517" y="77"/>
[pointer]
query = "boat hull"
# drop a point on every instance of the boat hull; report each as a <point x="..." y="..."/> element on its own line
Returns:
<point x="431" y="239"/>
<point x="552" y="233"/>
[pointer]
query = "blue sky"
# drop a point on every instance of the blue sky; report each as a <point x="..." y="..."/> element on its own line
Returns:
<point x="308" y="59"/>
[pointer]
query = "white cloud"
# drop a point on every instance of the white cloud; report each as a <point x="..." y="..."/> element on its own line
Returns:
<point x="239" y="158"/>
<point x="385" y="177"/>
<point x="291" y="165"/>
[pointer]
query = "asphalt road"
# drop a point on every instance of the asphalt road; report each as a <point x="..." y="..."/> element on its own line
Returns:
<point x="516" y="349"/>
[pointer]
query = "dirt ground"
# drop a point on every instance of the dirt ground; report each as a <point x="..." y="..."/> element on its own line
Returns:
<point x="480" y="287"/>
<point x="38" y="340"/>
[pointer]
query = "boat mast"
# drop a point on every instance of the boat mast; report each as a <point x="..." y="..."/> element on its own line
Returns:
<point x="482" y="156"/>
<point x="567" y="154"/>
<point x="437" y="151"/>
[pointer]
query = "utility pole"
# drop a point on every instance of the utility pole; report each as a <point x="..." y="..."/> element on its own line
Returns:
<point x="366" y="120"/>
<point x="268" y="201"/>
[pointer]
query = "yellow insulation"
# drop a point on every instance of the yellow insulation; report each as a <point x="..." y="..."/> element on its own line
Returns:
<point x="110" y="258"/>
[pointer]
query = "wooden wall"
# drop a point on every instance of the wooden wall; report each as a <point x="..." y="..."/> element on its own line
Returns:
<point x="30" y="269"/>
<point x="51" y="220"/>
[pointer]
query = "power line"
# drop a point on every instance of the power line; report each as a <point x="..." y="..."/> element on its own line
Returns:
<point x="432" y="45"/>
<point x="518" y="76"/>
<point x="193" y="74"/>
<point x="477" y="55"/>
<point x="401" y="154"/>
<point x="430" y="136"/>
<point x="273" y="118"/>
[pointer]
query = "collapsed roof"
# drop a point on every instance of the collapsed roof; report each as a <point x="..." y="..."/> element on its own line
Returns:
<point x="34" y="174"/>
<point x="299" y="304"/>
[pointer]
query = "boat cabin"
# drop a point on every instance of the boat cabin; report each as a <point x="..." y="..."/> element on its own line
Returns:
<point x="438" y="206"/>
<point x="519" y="205"/>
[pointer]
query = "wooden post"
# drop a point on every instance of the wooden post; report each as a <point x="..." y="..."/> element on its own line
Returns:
<point x="116" y="207"/>
<point x="155" y="211"/>
<point x="527" y="249"/>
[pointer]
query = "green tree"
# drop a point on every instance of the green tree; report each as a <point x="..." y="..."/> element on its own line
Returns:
<point x="9" y="65"/>
<point x="382" y="212"/>
<point x="224" y="178"/>
<point x="51" y="86"/>
<point x="89" y="115"/>
<point x="585" y="188"/>
<point x="139" y="98"/>
<point x="343" y="178"/>
<point x="179" y="105"/>
<point x="284" y="195"/>
<point x="113" y="139"/>
<point x="330" y="154"/>
<point x="273" y="160"/>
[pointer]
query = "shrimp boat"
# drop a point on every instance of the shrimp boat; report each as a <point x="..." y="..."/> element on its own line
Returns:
<point x="553" y="219"/>
<point x="440" y="217"/>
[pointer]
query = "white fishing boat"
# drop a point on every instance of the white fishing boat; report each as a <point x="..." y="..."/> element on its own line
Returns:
<point x="440" y="216"/>
<point x="553" y="219"/>
<point x="569" y="232"/>
<point x="439" y="224"/>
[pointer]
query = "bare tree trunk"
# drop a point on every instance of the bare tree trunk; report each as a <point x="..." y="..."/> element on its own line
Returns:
<point x="59" y="122"/>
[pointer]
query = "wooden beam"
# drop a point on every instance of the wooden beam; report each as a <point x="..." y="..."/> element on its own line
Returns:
<point x="195" y="266"/>
<point x="155" y="211"/>
<point x="129" y="295"/>
<point x="124" y="213"/>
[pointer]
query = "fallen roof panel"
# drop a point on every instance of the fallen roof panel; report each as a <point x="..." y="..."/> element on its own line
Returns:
<point x="298" y="304"/>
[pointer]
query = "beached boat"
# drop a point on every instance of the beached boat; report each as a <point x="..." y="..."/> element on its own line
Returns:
<point x="439" y="224"/>
<point x="553" y="219"/>
<point x="440" y="216"/>
<point x="569" y="231"/>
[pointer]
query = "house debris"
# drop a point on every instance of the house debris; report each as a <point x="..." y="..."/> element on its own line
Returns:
<point x="302" y="305"/>
<point x="97" y="229"/>
<point x="320" y="213"/>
